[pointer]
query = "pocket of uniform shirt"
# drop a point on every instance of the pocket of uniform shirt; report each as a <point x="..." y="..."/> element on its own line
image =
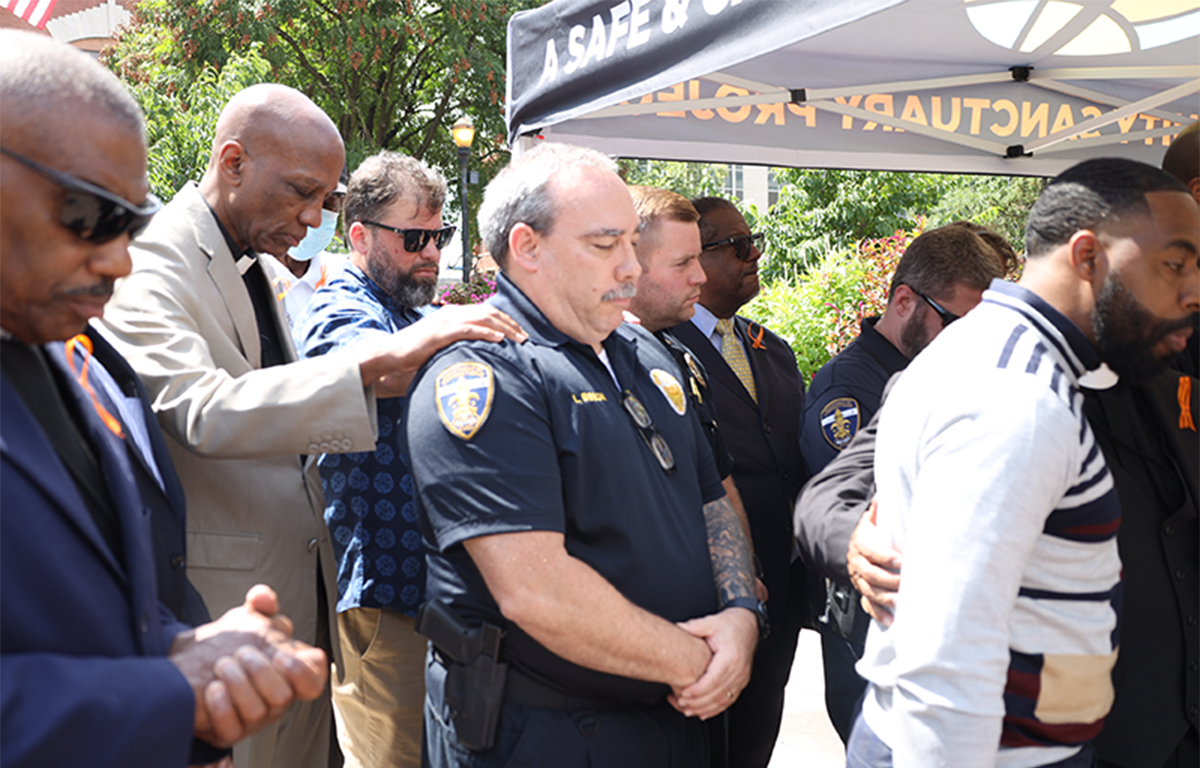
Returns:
<point x="229" y="551"/>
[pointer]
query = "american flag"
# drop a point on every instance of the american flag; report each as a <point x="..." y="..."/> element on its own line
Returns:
<point x="36" y="12"/>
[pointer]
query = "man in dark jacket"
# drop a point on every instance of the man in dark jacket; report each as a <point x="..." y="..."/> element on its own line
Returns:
<point x="759" y="396"/>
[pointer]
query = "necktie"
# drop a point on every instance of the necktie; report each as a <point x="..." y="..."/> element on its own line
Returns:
<point x="735" y="356"/>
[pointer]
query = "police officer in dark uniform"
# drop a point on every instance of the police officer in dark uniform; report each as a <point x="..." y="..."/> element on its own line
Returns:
<point x="941" y="276"/>
<point x="596" y="580"/>
<point x="668" y="250"/>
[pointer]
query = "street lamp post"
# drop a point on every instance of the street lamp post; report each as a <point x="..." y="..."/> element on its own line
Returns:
<point x="464" y="133"/>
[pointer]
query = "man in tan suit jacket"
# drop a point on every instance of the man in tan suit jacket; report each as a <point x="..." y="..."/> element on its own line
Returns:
<point x="245" y="420"/>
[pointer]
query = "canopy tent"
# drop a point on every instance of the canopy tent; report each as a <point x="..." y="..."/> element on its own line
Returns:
<point x="1022" y="87"/>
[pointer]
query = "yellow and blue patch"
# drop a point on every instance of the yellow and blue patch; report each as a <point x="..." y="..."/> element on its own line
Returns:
<point x="840" y="421"/>
<point x="465" y="392"/>
<point x="671" y="389"/>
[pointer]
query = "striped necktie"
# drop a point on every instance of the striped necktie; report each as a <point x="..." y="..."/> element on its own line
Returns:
<point x="735" y="356"/>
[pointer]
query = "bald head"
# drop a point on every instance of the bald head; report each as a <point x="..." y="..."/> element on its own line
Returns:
<point x="66" y="120"/>
<point x="275" y="157"/>
<point x="42" y="80"/>
<point x="270" y="116"/>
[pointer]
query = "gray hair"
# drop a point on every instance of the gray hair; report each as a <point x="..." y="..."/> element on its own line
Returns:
<point x="386" y="177"/>
<point x="520" y="193"/>
<point x="42" y="82"/>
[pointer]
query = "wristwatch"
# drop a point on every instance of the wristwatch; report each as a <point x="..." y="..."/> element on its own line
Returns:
<point x="758" y="608"/>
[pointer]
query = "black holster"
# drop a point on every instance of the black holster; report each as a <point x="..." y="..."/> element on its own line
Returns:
<point x="474" y="673"/>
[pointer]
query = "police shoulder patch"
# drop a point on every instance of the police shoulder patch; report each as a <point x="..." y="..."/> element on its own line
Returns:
<point x="464" y="395"/>
<point x="671" y="389"/>
<point x="839" y="421"/>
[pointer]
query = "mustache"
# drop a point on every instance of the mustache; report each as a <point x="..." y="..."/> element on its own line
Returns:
<point x="99" y="290"/>
<point x="626" y="291"/>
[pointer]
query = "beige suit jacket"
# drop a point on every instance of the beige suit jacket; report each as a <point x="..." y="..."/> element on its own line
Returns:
<point x="184" y="320"/>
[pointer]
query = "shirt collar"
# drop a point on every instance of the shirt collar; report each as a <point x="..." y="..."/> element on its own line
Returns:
<point x="704" y="320"/>
<point x="1084" y="351"/>
<point x="229" y="241"/>
<point x="510" y="300"/>
<point x="352" y="273"/>
<point x="880" y="348"/>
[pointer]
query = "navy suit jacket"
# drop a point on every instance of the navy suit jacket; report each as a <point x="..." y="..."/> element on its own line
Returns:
<point x="166" y="501"/>
<point x="764" y="439"/>
<point x="84" y="678"/>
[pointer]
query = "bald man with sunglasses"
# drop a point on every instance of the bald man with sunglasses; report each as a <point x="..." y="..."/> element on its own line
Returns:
<point x="245" y="421"/>
<point x="94" y="668"/>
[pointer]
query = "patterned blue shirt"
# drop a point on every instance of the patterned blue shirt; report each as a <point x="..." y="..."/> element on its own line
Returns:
<point x="369" y="504"/>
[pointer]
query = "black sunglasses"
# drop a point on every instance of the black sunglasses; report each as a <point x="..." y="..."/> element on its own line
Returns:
<point x="946" y="315"/>
<point x="650" y="434"/>
<point x="415" y="240"/>
<point x="92" y="212"/>
<point x="741" y="244"/>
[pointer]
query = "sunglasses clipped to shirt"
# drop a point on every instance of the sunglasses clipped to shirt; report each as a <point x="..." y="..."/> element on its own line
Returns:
<point x="415" y="240"/>
<point x="741" y="244"/>
<point x="92" y="212"/>
<point x="650" y="434"/>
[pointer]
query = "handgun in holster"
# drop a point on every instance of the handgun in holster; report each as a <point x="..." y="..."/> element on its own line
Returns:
<point x="475" y="675"/>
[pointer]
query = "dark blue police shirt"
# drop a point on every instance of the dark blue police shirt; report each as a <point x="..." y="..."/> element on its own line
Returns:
<point x="533" y="437"/>
<point x="845" y="394"/>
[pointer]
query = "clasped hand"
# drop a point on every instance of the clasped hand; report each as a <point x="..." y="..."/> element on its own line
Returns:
<point x="732" y="636"/>
<point x="245" y="668"/>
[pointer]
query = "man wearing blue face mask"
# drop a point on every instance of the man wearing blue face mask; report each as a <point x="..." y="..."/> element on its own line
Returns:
<point x="307" y="265"/>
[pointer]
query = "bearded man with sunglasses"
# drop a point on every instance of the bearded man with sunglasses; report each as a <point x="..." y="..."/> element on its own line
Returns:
<point x="590" y="586"/>
<point x="393" y="219"/>
<point x="759" y="396"/>
<point x="198" y="321"/>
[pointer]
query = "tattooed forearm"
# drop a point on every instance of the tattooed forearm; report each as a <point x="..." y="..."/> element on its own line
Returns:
<point x="733" y="571"/>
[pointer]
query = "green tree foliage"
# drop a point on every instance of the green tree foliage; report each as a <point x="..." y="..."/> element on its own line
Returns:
<point x="819" y="212"/>
<point x="999" y="202"/>
<point x="819" y="311"/>
<point x="393" y="74"/>
<point x="691" y="180"/>
<point x="181" y="121"/>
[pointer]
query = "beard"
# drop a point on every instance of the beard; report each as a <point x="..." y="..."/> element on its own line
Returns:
<point x="914" y="336"/>
<point x="400" y="284"/>
<point x="1127" y="332"/>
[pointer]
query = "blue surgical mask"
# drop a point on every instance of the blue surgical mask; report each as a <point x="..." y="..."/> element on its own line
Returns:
<point x="317" y="239"/>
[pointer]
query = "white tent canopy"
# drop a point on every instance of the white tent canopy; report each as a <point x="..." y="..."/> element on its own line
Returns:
<point x="982" y="86"/>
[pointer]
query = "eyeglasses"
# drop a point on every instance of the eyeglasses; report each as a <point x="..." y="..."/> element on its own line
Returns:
<point x="415" y="240"/>
<point x="741" y="244"/>
<point x="946" y="315"/>
<point x="650" y="434"/>
<point x="92" y="212"/>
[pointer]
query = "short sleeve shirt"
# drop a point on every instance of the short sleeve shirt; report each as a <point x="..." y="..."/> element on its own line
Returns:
<point x="845" y="394"/>
<point x="369" y="505"/>
<point x="509" y="438"/>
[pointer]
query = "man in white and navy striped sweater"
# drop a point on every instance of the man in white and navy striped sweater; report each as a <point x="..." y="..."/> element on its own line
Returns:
<point x="992" y="486"/>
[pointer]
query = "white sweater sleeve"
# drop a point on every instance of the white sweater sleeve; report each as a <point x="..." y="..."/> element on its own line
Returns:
<point x="967" y="507"/>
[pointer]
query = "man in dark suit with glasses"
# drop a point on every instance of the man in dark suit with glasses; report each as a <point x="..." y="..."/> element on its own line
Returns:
<point x="94" y="670"/>
<point x="759" y="396"/>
